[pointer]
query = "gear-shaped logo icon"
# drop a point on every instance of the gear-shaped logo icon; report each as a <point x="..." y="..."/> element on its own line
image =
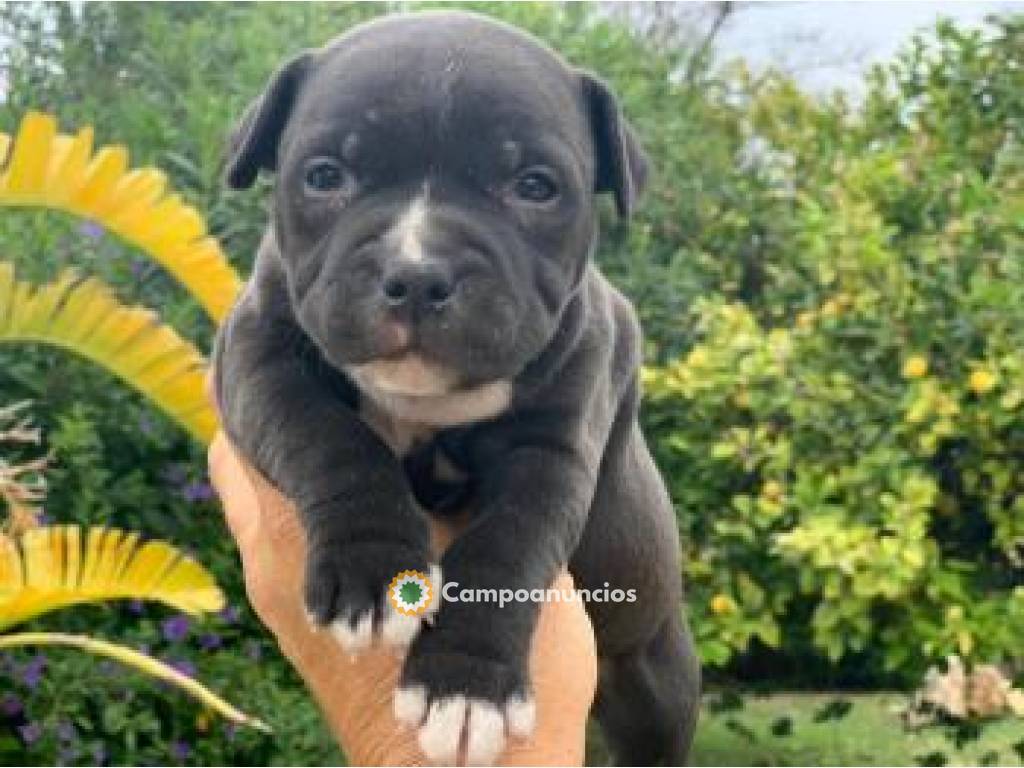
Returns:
<point x="411" y="593"/>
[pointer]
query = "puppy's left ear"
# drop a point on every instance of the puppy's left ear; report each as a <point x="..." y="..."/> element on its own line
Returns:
<point x="253" y="145"/>
<point x="620" y="163"/>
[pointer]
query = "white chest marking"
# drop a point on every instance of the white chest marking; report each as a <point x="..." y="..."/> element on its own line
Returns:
<point x="404" y="420"/>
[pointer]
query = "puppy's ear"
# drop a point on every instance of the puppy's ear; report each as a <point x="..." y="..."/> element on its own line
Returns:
<point x="620" y="163"/>
<point x="253" y="145"/>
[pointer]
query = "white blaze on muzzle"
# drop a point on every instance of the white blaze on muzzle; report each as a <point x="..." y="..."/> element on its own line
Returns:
<point x="409" y="230"/>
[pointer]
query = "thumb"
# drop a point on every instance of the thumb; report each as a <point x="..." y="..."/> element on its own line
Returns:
<point x="237" y="494"/>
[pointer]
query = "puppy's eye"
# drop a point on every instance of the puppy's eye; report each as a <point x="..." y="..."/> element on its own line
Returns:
<point x="324" y="176"/>
<point x="536" y="186"/>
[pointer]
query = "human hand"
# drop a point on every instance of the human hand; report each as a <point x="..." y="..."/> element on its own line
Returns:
<point x="355" y="693"/>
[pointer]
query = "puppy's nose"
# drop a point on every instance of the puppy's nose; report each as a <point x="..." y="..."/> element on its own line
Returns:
<point x="425" y="284"/>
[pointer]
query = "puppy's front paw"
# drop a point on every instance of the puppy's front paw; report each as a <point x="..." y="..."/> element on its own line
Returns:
<point x="454" y="700"/>
<point x="347" y="590"/>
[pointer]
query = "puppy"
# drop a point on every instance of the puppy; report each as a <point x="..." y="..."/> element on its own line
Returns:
<point x="424" y="331"/>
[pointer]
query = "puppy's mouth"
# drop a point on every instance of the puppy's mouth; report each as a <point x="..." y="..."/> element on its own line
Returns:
<point x="401" y="367"/>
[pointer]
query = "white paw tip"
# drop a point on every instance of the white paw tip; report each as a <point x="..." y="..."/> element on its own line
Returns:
<point x="410" y="705"/>
<point x="354" y="638"/>
<point x="483" y="723"/>
<point x="485" y="733"/>
<point x="398" y="629"/>
<point x="437" y="583"/>
<point x="522" y="716"/>
<point x="440" y="735"/>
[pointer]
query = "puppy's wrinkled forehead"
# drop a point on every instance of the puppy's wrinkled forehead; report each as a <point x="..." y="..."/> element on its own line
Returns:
<point x="409" y="83"/>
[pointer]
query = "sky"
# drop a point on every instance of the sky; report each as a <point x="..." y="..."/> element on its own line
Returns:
<point x="828" y="45"/>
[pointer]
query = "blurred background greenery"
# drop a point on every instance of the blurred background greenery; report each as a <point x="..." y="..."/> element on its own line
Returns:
<point x="833" y="298"/>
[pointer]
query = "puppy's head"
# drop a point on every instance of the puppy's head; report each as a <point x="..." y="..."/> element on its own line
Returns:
<point x="434" y="199"/>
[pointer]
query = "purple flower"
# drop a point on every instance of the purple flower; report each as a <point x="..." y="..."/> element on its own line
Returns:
<point x="253" y="650"/>
<point x="136" y="606"/>
<point x="11" y="705"/>
<point x="91" y="230"/>
<point x="32" y="672"/>
<point x="230" y="614"/>
<point x="210" y="641"/>
<point x="196" y="492"/>
<point x="66" y="730"/>
<point x="30" y="733"/>
<point x="44" y="518"/>
<point x="180" y="750"/>
<point x="67" y="755"/>
<point x="174" y="474"/>
<point x="138" y="268"/>
<point x="175" y="629"/>
<point x="184" y="666"/>
<point x="99" y="754"/>
<point x="230" y="731"/>
<point x="147" y="425"/>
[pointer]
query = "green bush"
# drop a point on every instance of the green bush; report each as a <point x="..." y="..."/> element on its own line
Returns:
<point x="167" y="81"/>
<point x="845" y="443"/>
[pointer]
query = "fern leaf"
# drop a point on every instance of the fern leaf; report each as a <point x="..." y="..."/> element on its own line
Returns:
<point x="53" y="567"/>
<point x="50" y="170"/>
<point x="83" y="316"/>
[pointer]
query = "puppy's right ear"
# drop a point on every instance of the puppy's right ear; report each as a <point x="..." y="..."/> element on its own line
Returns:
<point x="253" y="145"/>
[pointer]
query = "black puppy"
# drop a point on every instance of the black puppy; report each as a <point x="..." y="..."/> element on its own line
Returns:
<point x="424" y="329"/>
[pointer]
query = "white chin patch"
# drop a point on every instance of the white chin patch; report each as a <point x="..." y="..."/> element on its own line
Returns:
<point x="449" y="722"/>
<point x="409" y="376"/>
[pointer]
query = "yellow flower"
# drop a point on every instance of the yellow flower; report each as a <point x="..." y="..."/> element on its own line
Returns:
<point x="722" y="604"/>
<point x="982" y="381"/>
<point x="915" y="367"/>
<point x="772" y="490"/>
<point x="830" y="308"/>
<point x="805" y="319"/>
<point x="698" y="357"/>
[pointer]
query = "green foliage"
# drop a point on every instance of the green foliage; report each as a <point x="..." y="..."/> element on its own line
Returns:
<point x="77" y="711"/>
<point x="855" y="729"/>
<point x="845" y="442"/>
<point x="792" y="260"/>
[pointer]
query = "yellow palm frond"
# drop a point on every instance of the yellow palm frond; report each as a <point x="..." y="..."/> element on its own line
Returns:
<point x="52" y="567"/>
<point x="50" y="170"/>
<point x="83" y="316"/>
<point x="143" y="663"/>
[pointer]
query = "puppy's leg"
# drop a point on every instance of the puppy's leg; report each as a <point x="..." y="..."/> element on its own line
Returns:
<point x="292" y="422"/>
<point x="647" y="700"/>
